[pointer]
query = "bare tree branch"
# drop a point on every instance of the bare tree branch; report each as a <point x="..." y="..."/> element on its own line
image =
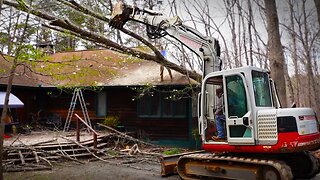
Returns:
<point x="66" y="24"/>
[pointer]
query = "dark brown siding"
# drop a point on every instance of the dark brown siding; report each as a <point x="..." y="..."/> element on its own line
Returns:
<point x="119" y="102"/>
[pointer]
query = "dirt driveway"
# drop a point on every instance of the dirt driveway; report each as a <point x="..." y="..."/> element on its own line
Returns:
<point x="92" y="171"/>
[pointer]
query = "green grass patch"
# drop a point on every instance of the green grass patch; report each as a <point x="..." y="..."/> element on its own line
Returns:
<point x="172" y="151"/>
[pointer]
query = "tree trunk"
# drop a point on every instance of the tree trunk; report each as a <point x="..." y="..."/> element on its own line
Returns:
<point x="20" y="46"/>
<point x="312" y="85"/>
<point x="1" y="2"/>
<point x="275" y="54"/>
<point x="289" y="84"/>
<point x="317" y="2"/>
<point x="250" y="22"/>
<point x="294" y="54"/>
<point x="4" y="114"/>
<point x="232" y="25"/>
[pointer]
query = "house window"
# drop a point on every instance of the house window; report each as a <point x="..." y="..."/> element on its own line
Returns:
<point x="149" y="106"/>
<point x="101" y="103"/>
<point x="158" y="105"/>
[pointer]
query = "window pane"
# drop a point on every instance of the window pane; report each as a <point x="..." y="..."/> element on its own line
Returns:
<point x="160" y="105"/>
<point x="180" y="108"/>
<point x="261" y="89"/>
<point x="149" y="106"/>
<point x="154" y="105"/>
<point x="287" y="124"/>
<point x="167" y="107"/>
<point x="173" y="107"/>
<point x="102" y="103"/>
<point x="236" y="96"/>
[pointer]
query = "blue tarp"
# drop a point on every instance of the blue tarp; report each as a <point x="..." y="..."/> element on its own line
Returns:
<point x="14" y="102"/>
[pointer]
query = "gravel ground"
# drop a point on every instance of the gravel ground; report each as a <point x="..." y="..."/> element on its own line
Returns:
<point x="96" y="170"/>
<point x="92" y="171"/>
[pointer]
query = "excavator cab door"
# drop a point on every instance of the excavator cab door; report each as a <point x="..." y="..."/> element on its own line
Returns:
<point x="238" y="111"/>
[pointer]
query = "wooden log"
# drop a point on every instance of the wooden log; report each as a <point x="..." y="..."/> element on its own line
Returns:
<point x="21" y="169"/>
<point x="43" y="142"/>
<point x="30" y="148"/>
<point x="88" y="149"/>
<point x="21" y="157"/>
<point x="46" y="160"/>
<point x="126" y="136"/>
<point x="36" y="156"/>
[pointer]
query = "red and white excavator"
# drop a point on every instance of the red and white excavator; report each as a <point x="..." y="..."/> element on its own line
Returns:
<point x="263" y="140"/>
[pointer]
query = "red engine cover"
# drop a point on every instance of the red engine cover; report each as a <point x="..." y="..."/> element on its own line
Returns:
<point x="287" y="142"/>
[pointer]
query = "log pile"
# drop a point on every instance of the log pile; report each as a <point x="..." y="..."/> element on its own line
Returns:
<point x="116" y="148"/>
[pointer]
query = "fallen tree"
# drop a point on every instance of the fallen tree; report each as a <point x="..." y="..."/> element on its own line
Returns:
<point x="113" y="147"/>
<point x="64" y="25"/>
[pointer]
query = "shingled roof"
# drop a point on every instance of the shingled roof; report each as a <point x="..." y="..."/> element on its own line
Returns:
<point x="90" y="68"/>
<point x="24" y="76"/>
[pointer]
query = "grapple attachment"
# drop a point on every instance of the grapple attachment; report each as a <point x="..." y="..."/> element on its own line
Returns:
<point x="120" y="15"/>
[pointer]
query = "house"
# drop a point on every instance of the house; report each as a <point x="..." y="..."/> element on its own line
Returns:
<point x="113" y="85"/>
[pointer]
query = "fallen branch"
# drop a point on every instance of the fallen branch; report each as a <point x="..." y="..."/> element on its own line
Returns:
<point x="15" y="140"/>
<point x="46" y="160"/>
<point x="36" y="156"/>
<point x="87" y="148"/>
<point x="135" y="149"/>
<point x="126" y="136"/>
<point x="30" y="148"/>
<point x="44" y="142"/>
<point x="28" y="168"/>
<point x="21" y="157"/>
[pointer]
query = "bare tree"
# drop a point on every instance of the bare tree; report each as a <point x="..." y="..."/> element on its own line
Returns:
<point x="317" y="3"/>
<point x="275" y="49"/>
<point x="293" y="52"/>
<point x="250" y="36"/>
<point x="1" y="2"/>
<point x="307" y="40"/>
<point x="304" y="39"/>
<point x="14" y="65"/>
<point x="231" y="14"/>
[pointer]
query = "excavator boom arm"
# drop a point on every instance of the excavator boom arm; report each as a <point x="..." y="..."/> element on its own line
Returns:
<point x="158" y="25"/>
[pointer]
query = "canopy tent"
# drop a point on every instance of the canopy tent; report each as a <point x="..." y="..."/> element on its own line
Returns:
<point x="14" y="102"/>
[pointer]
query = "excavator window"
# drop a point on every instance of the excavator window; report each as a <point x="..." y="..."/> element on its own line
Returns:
<point x="287" y="124"/>
<point x="261" y="89"/>
<point x="236" y="96"/>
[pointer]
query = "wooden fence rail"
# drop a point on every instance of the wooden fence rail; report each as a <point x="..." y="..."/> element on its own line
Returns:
<point x="95" y="134"/>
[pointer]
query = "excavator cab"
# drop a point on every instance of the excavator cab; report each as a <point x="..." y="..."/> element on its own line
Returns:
<point x="254" y="121"/>
<point x="237" y="109"/>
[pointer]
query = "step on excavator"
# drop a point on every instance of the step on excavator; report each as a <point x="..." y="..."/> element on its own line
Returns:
<point x="262" y="140"/>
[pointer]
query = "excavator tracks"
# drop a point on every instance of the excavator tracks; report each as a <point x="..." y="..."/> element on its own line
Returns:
<point x="207" y="166"/>
<point x="304" y="165"/>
